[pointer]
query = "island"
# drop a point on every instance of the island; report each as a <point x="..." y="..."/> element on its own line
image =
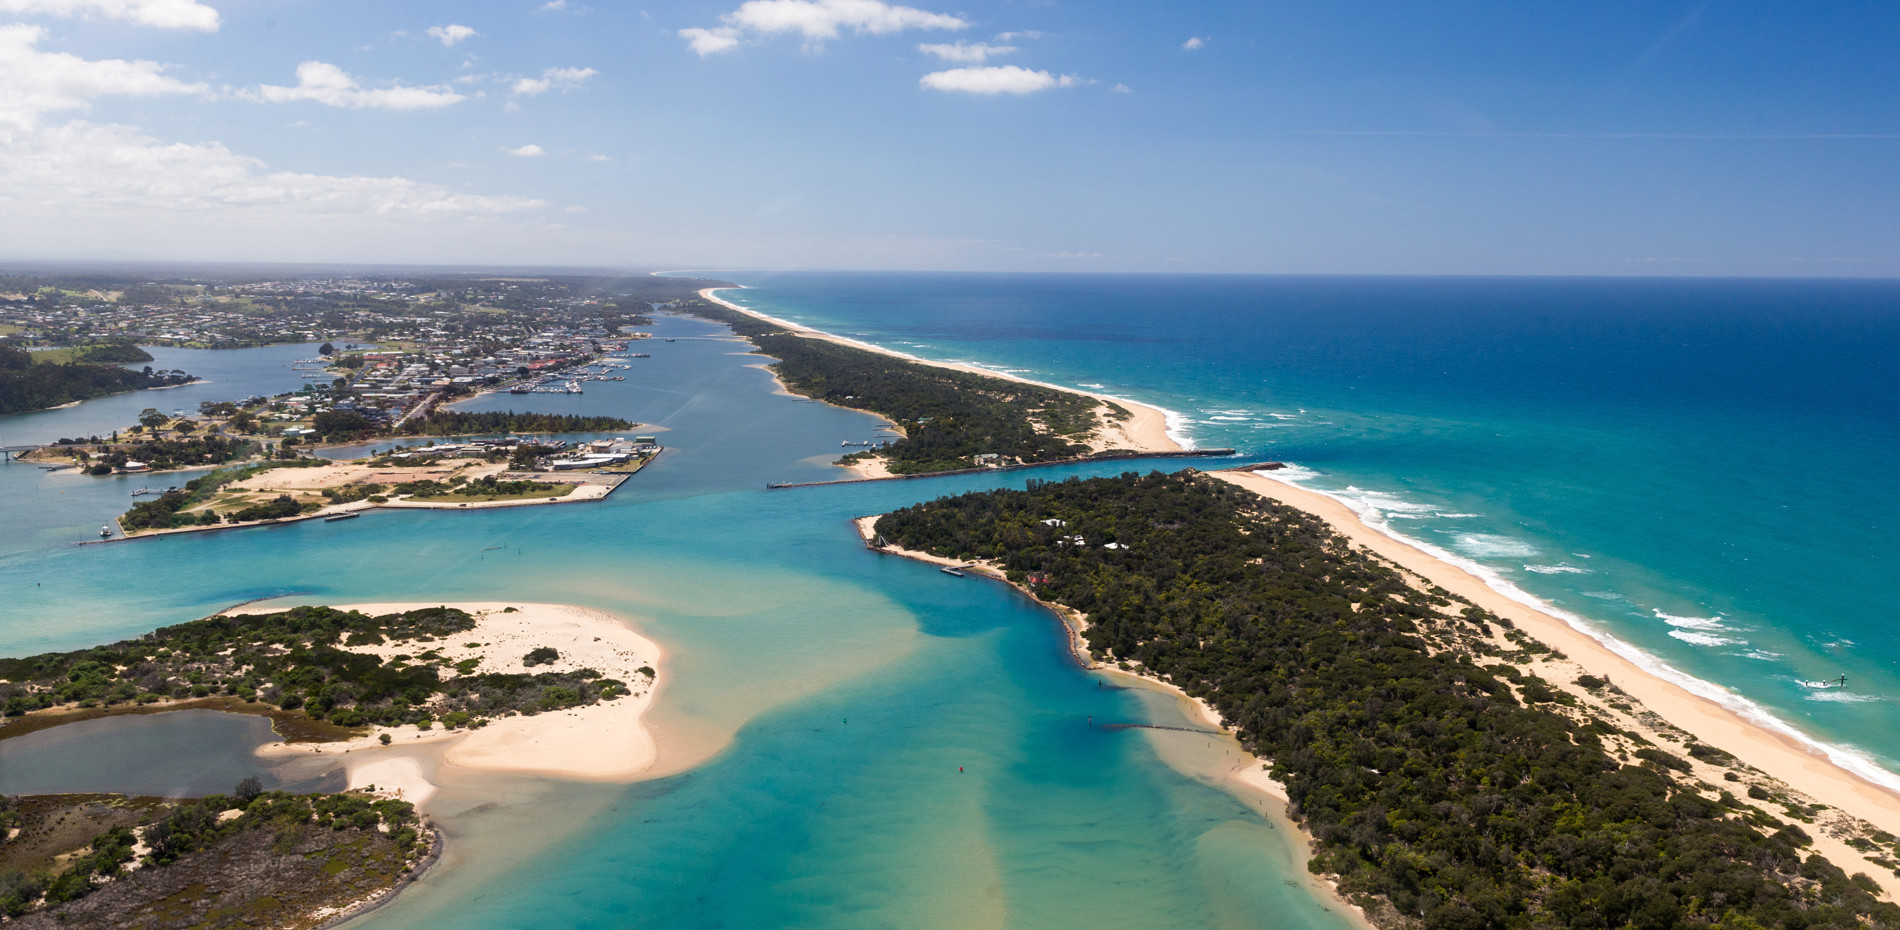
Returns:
<point x="263" y="858"/>
<point x="1450" y="769"/>
<point x="945" y="417"/>
<point x="484" y="679"/>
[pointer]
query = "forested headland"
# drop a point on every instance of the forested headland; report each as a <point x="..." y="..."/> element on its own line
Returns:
<point x="1442" y="784"/>
<point x="296" y="661"/>
<point x="948" y="417"/>
<point x="25" y="385"/>
<point x="129" y="863"/>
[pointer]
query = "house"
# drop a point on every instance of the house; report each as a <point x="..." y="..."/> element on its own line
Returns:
<point x="988" y="460"/>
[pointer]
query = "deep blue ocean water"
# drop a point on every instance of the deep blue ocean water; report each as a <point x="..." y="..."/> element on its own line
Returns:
<point x="1702" y="469"/>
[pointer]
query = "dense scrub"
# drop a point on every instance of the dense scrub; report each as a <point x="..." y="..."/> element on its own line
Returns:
<point x="292" y="660"/>
<point x="26" y="386"/>
<point x="267" y="856"/>
<point x="459" y="423"/>
<point x="166" y="510"/>
<point x="1449" y="789"/>
<point x="948" y="417"/>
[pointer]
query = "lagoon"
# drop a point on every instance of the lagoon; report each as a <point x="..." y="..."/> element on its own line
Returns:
<point x="818" y="698"/>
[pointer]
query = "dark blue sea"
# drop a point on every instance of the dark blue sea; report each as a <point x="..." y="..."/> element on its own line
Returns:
<point x="1702" y="470"/>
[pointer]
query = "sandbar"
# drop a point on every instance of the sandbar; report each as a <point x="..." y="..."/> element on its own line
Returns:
<point x="608" y="741"/>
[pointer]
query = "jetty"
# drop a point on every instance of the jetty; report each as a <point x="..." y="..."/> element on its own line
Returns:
<point x="1102" y="457"/>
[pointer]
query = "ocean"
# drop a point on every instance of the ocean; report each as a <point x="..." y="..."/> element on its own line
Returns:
<point x="1697" y="468"/>
<point x="1701" y="470"/>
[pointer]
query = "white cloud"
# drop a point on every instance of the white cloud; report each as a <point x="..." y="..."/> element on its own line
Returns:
<point x="1193" y="43"/>
<point x="974" y="53"/>
<point x="165" y="14"/>
<point x="451" y="33"/>
<point x="332" y="86"/>
<point x="33" y="82"/>
<point x="1018" y="34"/>
<point x="711" y="41"/>
<point x="1006" y="79"/>
<point x="527" y="151"/>
<point x="554" y="6"/>
<point x="561" y="79"/>
<point x="816" y="20"/>
<point x="118" y="169"/>
<point x="81" y="186"/>
<point x="597" y="158"/>
<point x="1121" y="89"/>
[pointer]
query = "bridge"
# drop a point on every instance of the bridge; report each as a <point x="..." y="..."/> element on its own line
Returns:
<point x="8" y="452"/>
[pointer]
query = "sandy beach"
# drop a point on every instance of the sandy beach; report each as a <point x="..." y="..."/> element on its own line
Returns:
<point x="1661" y="711"/>
<point x="603" y="742"/>
<point x="1144" y="430"/>
<point x="1779" y="757"/>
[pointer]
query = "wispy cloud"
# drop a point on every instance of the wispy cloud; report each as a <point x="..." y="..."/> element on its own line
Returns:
<point x="86" y="173"/>
<point x="815" y="20"/>
<point x="561" y="79"/>
<point x="81" y="168"/>
<point x="1121" y="89"/>
<point x="332" y="86"/>
<point x="451" y="34"/>
<point x="974" y="53"/>
<point x="554" y="6"/>
<point x="597" y="158"/>
<point x="164" y="14"/>
<point x="527" y="151"/>
<point x="994" y="79"/>
<point x="1193" y="43"/>
<point x="33" y="82"/>
<point x="710" y="41"/>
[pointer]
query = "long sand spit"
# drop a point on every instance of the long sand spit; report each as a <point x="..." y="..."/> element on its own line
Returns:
<point x="1780" y="756"/>
<point x="608" y="741"/>
<point x="1145" y="430"/>
<point x="1778" y="761"/>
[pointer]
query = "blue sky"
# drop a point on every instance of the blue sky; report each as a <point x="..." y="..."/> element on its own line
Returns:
<point x="1514" y="138"/>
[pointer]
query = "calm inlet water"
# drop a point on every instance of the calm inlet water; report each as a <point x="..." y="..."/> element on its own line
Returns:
<point x="818" y="704"/>
<point x="1700" y="468"/>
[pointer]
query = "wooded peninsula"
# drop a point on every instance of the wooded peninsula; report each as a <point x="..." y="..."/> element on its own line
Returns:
<point x="947" y="417"/>
<point x="30" y="383"/>
<point x="1443" y="785"/>
<point x="249" y="858"/>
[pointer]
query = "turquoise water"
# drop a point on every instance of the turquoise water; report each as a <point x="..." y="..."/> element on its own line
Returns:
<point x="818" y="699"/>
<point x="1700" y="469"/>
